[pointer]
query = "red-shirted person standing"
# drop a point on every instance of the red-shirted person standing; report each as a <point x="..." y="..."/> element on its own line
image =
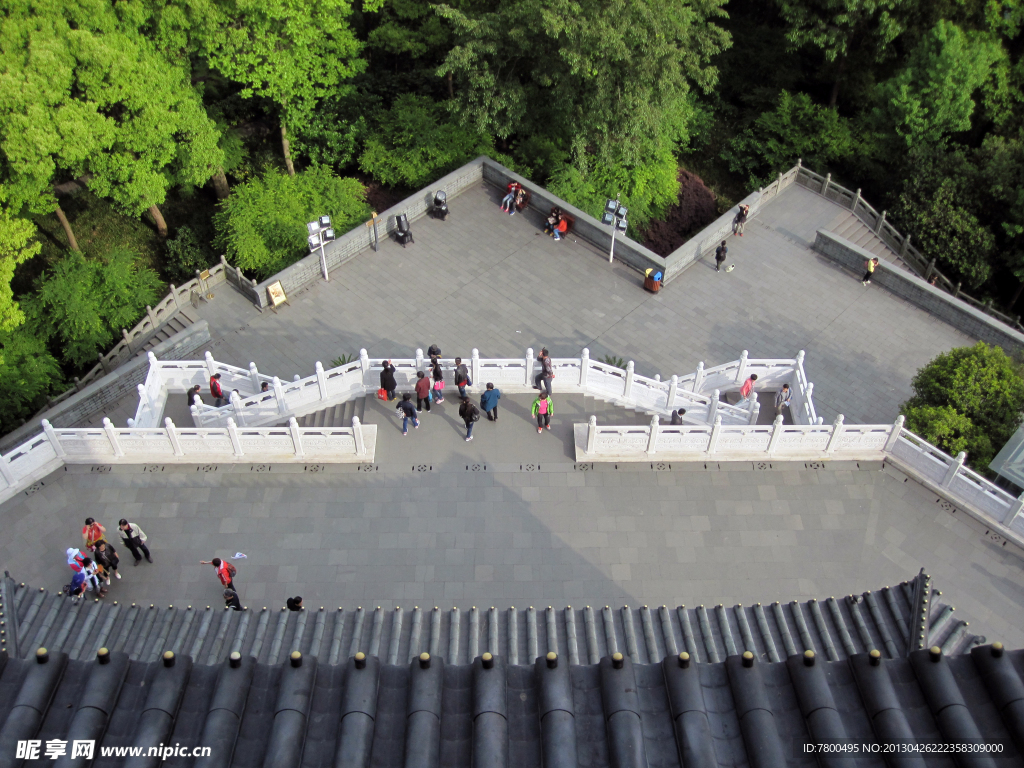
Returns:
<point x="225" y="571"/>
<point x="92" y="532"/>
<point x="216" y="391"/>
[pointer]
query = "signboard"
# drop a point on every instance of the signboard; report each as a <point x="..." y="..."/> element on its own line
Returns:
<point x="276" y="294"/>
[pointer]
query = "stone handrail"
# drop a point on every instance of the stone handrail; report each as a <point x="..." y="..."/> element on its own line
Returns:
<point x="900" y="244"/>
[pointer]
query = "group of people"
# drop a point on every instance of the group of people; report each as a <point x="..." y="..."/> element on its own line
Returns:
<point x="557" y="224"/>
<point x="783" y="398"/>
<point x="515" y="199"/>
<point x="97" y="560"/>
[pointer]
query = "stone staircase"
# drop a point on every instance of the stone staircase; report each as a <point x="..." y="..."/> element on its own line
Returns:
<point x="849" y="227"/>
<point x="338" y="415"/>
<point x="175" y="324"/>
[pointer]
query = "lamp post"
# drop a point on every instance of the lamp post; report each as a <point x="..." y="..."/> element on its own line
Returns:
<point x="320" y="232"/>
<point x="614" y="216"/>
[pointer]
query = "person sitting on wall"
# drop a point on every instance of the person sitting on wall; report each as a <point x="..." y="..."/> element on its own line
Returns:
<point x="520" y="202"/>
<point x="553" y="220"/>
<point x="514" y="188"/>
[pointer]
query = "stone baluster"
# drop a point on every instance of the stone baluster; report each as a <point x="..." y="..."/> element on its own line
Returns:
<point x="627" y="388"/>
<point x="236" y="406"/>
<point x="197" y="419"/>
<point x="152" y="316"/>
<point x="716" y="429"/>
<point x="880" y="223"/>
<point x="419" y="360"/>
<point x="143" y="397"/>
<point x="755" y="408"/>
<point x="51" y="435"/>
<point x="741" y="369"/>
<point x="1013" y="511"/>
<point x="905" y="246"/>
<point x="127" y="341"/>
<point x="211" y="365"/>
<point x="894" y="434"/>
<point x="174" y="296"/>
<point x="826" y="184"/>
<point x="6" y="472"/>
<point x="713" y="407"/>
<point x="293" y="428"/>
<point x="152" y="358"/>
<point x="592" y="435"/>
<point x="475" y="366"/>
<point x="357" y="435"/>
<point x="652" y="440"/>
<point x="296" y="377"/>
<point x="321" y="380"/>
<point x="236" y="444"/>
<point x="529" y="366"/>
<point x="673" y="388"/>
<point x="254" y="377"/>
<point x="584" y="366"/>
<point x="131" y="423"/>
<point x="777" y="428"/>
<point x="856" y="201"/>
<point x="799" y="359"/>
<point x="282" y="406"/>
<point x="364" y="364"/>
<point x="698" y="377"/>
<point x="953" y="469"/>
<point x="108" y="427"/>
<point x="837" y="432"/>
<point x="172" y="436"/>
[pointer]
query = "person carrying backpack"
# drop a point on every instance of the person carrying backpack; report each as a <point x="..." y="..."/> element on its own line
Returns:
<point x="462" y="379"/>
<point x="542" y="408"/>
<point x="408" y="413"/>
<point x="225" y="571"/>
<point x="438" y="375"/>
<point x="470" y="415"/>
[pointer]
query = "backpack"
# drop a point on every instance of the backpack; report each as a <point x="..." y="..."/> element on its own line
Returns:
<point x="476" y="414"/>
<point x="230" y="569"/>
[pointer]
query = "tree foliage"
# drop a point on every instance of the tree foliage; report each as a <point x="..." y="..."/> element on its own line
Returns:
<point x="16" y="247"/>
<point x="29" y="373"/>
<point x="968" y="399"/>
<point x="262" y="226"/>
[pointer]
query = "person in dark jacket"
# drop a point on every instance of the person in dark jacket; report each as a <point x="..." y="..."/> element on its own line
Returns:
<point x="192" y="394"/>
<point x="387" y="379"/>
<point x="677" y="417"/>
<point x="231" y="600"/>
<point x="461" y="377"/>
<point x="106" y="556"/>
<point x="216" y="391"/>
<point x="470" y="414"/>
<point x="408" y="413"/>
<point x="422" y="392"/>
<point x="294" y="603"/>
<point x="438" y="376"/>
<point x="489" y="402"/>
<point x="547" y="372"/>
<point x="434" y="351"/>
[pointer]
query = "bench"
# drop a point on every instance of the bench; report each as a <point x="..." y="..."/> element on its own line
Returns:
<point x="525" y="203"/>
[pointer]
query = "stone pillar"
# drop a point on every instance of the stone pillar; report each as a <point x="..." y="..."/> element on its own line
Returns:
<point x="856" y="201"/>
<point x="152" y="359"/>
<point x="127" y="341"/>
<point x="931" y="268"/>
<point x="51" y="435"/>
<point x="254" y="377"/>
<point x="953" y="469"/>
<point x="799" y="359"/>
<point x="282" y="406"/>
<point x="755" y="408"/>
<point x="1013" y="511"/>
<point x="529" y="366"/>
<point x="837" y="431"/>
<point x="143" y="397"/>
<point x="172" y="436"/>
<point x="673" y="388"/>
<point x="741" y="369"/>
<point x="321" y="380"/>
<point x="880" y="223"/>
<point x="211" y="365"/>
<point x="197" y="420"/>
<point x="715" y="431"/>
<point x="627" y="389"/>
<point x="591" y="435"/>
<point x="698" y="377"/>
<point x="475" y="366"/>
<point x="894" y="435"/>
<point x="364" y="363"/>
<point x="6" y="472"/>
<point x="827" y="183"/>
<point x="236" y="444"/>
<point x="112" y="437"/>
<point x="174" y="296"/>
<point x="713" y="406"/>
<point x="357" y="434"/>
<point x="293" y="427"/>
<point x="152" y="316"/>
<point x="419" y="360"/>
<point x="776" y="433"/>
<point x="652" y="439"/>
<point x="584" y="366"/>
<point x="236" y="406"/>
<point x="905" y="245"/>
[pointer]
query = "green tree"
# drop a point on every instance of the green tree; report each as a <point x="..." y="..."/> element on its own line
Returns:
<point x="82" y="304"/>
<point x="29" y="374"/>
<point x="186" y="255"/>
<point x="968" y="399"/>
<point x="797" y="127"/>
<point x="262" y="226"/>
<point x="415" y="142"/>
<point x="16" y="247"/>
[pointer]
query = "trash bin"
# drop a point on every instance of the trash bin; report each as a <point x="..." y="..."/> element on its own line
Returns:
<point x="652" y="281"/>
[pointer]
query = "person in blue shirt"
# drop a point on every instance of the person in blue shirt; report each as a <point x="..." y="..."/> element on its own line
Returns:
<point x="489" y="402"/>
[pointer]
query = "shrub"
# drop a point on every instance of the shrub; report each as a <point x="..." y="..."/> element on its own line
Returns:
<point x="30" y="375"/>
<point x="694" y="209"/>
<point x="186" y="255"/>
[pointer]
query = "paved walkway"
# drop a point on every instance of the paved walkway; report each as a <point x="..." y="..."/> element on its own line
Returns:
<point x="522" y="534"/>
<point x="496" y="282"/>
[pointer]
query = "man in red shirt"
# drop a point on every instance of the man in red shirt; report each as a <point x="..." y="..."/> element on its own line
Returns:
<point x="216" y="391"/>
<point x="92" y="532"/>
<point x="225" y="571"/>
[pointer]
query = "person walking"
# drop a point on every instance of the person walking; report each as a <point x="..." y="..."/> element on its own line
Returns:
<point x="135" y="539"/>
<point x="106" y="556"/>
<point x="489" y="402"/>
<point x="387" y="379"/>
<point x="225" y="571"/>
<point x="782" y="399"/>
<point x="92" y="576"/>
<point x="294" y="603"/>
<point x="748" y="387"/>
<point x="677" y="417"/>
<point x="422" y="392"/>
<point x="216" y="392"/>
<point x="547" y="372"/>
<point x="741" y="220"/>
<point x="720" y="253"/>
<point x="408" y="412"/>
<point x="542" y="408"/>
<point x="438" y="376"/>
<point x="869" y="265"/>
<point x="433" y="351"/>
<point x="92" y="532"/>
<point x="470" y="415"/>
<point x="231" y="600"/>
<point x="192" y="394"/>
<point x="462" y="379"/>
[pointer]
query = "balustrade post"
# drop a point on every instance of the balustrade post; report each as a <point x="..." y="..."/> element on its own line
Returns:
<point x="475" y="366"/>
<point x="698" y="377"/>
<point x="715" y="431"/>
<point x="592" y="435"/>
<point x="321" y="380"/>
<point x="837" y="431"/>
<point x="174" y="296"/>
<point x="293" y="428"/>
<point x="741" y="369"/>
<point x="152" y="359"/>
<point x="956" y="291"/>
<point x="357" y="435"/>
<point x="51" y="435"/>
<point x="103" y="364"/>
<point x="152" y="316"/>
<point x="529" y="366"/>
<point x="419" y="360"/>
<point x="296" y="377"/>
<point x="211" y="365"/>
<point x="905" y="246"/>
<point x="131" y="423"/>
<point x="628" y="387"/>
<point x="953" y="469"/>
<point x="282" y="406"/>
<point x="880" y="223"/>
<point x="1013" y="511"/>
<point x="777" y="427"/>
<point x="929" y="270"/>
<point x="894" y="434"/>
<point x="254" y="377"/>
<point x="236" y="406"/>
<point x="127" y="341"/>
<point x="826" y="184"/>
<point x="236" y="444"/>
<point x="755" y="408"/>
<point x="652" y="438"/>
<point x="778" y="187"/>
<point x="713" y="406"/>
<point x="6" y="472"/>
<point x="364" y="363"/>
<point x="856" y="201"/>
<point x="112" y="437"/>
<point x="584" y="366"/>
<point x="799" y="359"/>
<point x="673" y="388"/>
<point x="172" y="436"/>
<point x="197" y="420"/>
<point x="143" y="397"/>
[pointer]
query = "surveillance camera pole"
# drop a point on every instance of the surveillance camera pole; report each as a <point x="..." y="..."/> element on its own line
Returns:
<point x="615" y="226"/>
<point x="323" y="258"/>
